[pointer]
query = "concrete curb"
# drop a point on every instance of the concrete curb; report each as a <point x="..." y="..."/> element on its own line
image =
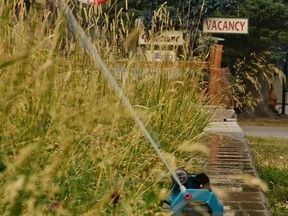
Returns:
<point x="232" y="171"/>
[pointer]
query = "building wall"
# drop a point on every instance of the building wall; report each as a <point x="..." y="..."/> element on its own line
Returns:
<point x="278" y="85"/>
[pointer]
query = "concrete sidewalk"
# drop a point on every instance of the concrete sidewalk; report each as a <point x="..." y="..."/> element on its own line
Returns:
<point x="231" y="169"/>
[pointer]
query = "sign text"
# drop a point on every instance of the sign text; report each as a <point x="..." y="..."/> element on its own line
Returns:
<point x="225" y="25"/>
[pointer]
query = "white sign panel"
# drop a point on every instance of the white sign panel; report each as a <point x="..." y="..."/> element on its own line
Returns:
<point x="160" y="55"/>
<point x="226" y="25"/>
<point x="161" y="38"/>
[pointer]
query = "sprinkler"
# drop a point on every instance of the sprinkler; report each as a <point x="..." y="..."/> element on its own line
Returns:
<point x="197" y="198"/>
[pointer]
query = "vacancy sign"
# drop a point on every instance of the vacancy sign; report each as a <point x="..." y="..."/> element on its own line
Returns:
<point x="226" y="25"/>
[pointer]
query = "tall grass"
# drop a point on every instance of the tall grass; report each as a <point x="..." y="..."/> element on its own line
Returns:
<point x="67" y="144"/>
<point x="251" y="79"/>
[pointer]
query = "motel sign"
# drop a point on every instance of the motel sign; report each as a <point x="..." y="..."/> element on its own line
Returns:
<point x="165" y="38"/>
<point x="226" y="25"/>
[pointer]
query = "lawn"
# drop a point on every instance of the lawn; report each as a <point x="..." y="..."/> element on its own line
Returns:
<point x="271" y="160"/>
<point x="262" y="121"/>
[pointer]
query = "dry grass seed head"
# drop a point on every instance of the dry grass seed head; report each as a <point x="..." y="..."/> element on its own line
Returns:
<point x="251" y="180"/>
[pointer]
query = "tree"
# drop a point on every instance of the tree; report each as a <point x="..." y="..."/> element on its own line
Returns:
<point x="268" y="31"/>
<point x="184" y="13"/>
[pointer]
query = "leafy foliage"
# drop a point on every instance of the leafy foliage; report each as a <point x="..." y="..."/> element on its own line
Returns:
<point x="267" y="30"/>
<point x="183" y="12"/>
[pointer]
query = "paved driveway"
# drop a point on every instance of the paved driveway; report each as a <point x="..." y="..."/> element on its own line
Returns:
<point x="263" y="131"/>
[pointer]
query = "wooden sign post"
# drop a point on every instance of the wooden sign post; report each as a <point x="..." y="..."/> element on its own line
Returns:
<point x="214" y="87"/>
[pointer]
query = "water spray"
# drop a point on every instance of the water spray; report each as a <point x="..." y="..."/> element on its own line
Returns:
<point x="87" y="45"/>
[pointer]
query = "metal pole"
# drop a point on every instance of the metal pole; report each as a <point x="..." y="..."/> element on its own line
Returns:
<point x="284" y="86"/>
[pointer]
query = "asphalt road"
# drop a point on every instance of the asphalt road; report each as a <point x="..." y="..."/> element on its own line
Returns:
<point x="263" y="131"/>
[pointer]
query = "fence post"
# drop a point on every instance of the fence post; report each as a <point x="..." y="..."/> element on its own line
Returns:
<point x="214" y="86"/>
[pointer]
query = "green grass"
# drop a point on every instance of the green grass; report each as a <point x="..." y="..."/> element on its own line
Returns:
<point x="271" y="158"/>
<point x="261" y="121"/>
